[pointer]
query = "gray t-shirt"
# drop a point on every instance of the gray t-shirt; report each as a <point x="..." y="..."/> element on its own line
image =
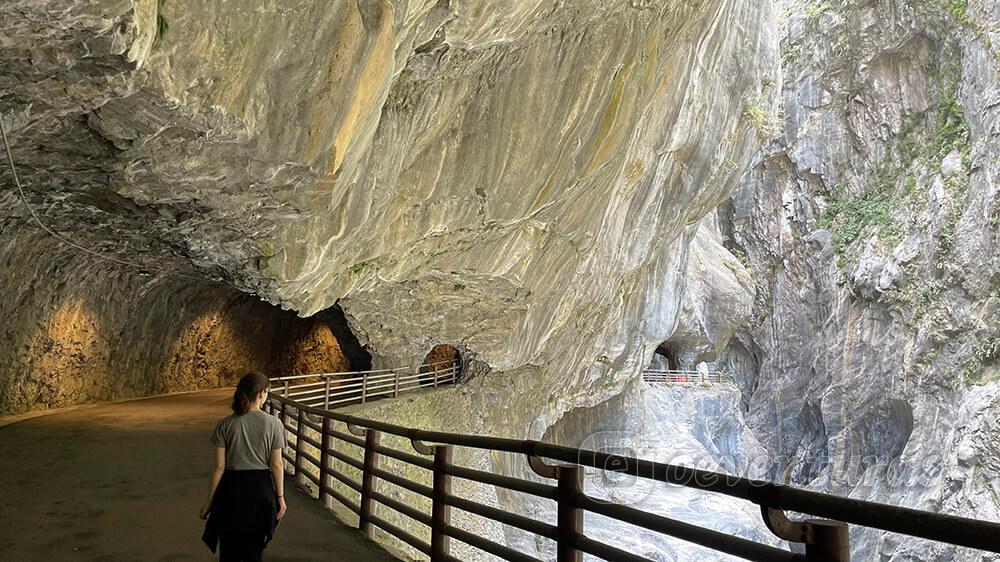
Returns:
<point x="249" y="439"/>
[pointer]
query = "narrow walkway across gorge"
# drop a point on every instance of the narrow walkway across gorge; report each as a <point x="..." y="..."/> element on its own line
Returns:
<point x="124" y="481"/>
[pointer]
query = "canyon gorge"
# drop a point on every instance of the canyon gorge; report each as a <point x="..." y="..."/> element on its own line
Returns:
<point x="800" y="194"/>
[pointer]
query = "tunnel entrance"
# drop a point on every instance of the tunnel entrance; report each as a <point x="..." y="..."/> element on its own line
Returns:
<point x="243" y="334"/>
<point x="322" y="343"/>
<point x="666" y="366"/>
<point x="441" y="365"/>
<point x="663" y="359"/>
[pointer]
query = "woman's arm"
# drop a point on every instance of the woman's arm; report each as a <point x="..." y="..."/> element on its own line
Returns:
<point x="220" y="467"/>
<point x="278" y="478"/>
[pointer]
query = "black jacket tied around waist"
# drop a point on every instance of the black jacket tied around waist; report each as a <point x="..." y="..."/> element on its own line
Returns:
<point x="244" y="505"/>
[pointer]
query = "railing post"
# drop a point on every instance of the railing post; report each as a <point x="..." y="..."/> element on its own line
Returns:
<point x="435" y="378"/>
<point x="826" y="541"/>
<point x="440" y="512"/>
<point x="395" y="388"/>
<point x="286" y="389"/>
<point x="831" y="542"/>
<point x="570" y="517"/>
<point x="368" y="482"/>
<point x="364" y="387"/>
<point x="326" y="394"/>
<point x="299" y="430"/>
<point x="326" y="441"/>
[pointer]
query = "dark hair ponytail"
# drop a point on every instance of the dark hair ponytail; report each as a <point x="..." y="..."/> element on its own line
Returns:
<point x="248" y="388"/>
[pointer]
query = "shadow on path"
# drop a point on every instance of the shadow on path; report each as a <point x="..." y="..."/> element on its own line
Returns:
<point x="124" y="481"/>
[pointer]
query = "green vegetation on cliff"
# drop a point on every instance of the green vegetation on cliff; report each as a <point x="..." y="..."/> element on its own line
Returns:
<point x="975" y="372"/>
<point x="889" y="207"/>
<point x="161" y="21"/>
<point x="868" y="212"/>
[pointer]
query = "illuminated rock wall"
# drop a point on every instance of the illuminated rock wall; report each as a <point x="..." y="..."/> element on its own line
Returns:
<point x="75" y="331"/>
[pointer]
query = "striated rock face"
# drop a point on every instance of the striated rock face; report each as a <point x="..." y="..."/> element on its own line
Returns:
<point x="516" y="180"/>
<point x="717" y="298"/>
<point x="870" y="227"/>
<point x="698" y="426"/>
<point x="521" y="180"/>
<point x="528" y="182"/>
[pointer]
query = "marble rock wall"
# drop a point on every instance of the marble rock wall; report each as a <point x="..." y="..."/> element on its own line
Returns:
<point x="870" y="227"/>
<point x="518" y="179"/>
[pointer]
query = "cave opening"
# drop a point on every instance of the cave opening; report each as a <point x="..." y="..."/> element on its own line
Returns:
<point x="158" y="336"/>
<point x="664" y="359"/>
<point x="442" y="365"/>
<point x="242" y="333"/>
<point x="321" y="343"/>
<point x="676" y="362"/>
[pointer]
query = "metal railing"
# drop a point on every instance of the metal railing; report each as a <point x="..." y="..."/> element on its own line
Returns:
<point x="334" y="390"/>
<point x="676" y="376"/>
<point x="315" y="432"/>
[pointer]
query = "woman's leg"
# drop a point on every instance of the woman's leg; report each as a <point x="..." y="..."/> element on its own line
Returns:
<point x="241" y="547"/>
<point x="254" y="554"/>
<point x="250" y="551"/>
<point x="230" y="549"/>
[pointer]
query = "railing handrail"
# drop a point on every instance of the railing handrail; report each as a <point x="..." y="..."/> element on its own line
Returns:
<point x="679" y="376"/>
<point x="682" y="371"/>
<point x="950" y="529"/>
<point x="372" y="372"/>
<point x="333" y="390"/>
<point x="827" y="541"/>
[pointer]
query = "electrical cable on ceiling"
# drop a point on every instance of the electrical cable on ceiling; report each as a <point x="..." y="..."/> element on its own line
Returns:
<point x="20" y="189"/>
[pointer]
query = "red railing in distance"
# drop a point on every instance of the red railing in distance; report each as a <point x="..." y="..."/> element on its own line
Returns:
<point x="678" y="376"/>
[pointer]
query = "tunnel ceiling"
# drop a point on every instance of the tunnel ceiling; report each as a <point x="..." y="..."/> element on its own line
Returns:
<point x="517" y="178"/>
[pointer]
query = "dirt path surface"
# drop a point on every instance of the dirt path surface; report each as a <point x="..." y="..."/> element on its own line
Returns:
<point x="124" y="481"/>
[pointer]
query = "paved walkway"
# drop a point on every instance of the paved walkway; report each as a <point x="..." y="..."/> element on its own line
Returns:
<point x="123" y="482"/>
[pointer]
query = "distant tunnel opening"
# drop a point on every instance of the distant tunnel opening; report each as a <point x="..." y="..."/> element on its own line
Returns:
<point x="663" y="359"/>
<point x="441" y="365"/>
<point x="671" y="364"/>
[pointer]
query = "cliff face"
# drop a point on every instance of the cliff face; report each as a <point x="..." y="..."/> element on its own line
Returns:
<point x="691" y="425"/>
<point x="516" y="179"/>
<point x="527" y="181"/>
<point x="870" y="226"/>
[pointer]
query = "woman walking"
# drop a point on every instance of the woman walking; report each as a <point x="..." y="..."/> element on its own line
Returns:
<point x="247" y="498"/>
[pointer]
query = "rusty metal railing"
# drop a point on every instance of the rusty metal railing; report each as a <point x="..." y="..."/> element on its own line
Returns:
<point x="315" y="431"/>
